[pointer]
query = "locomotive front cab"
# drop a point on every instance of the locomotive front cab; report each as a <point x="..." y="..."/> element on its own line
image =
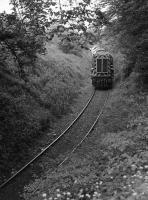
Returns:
<point x="102" y="71"/>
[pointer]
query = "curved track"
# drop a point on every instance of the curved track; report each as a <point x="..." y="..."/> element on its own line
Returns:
<point x="66" y="143"/>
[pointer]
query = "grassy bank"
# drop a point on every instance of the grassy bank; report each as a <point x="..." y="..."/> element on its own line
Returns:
<point x="112" y="163"/>
<point x="28" y="110"/>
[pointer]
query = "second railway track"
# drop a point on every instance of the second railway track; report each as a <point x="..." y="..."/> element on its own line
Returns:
<point x="64" y="145"/>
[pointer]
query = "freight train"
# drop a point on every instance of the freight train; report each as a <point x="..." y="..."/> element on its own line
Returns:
<point x="102" y="71"/>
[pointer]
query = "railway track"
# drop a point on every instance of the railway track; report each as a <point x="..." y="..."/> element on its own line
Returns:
<point x="65" y="144"/>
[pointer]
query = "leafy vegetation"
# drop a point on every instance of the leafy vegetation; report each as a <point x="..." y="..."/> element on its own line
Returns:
<point x="36" y="87"/>
<point x="112" y="162"/>
<point x="128" y="30"/>
<point x="34" y="90"/>
<point x="28" y="110"/>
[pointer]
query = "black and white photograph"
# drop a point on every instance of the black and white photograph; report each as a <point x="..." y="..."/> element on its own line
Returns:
<point x="73" y="100"/>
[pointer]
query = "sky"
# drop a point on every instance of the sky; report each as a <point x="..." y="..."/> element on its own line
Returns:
<point x="4" y="5"/>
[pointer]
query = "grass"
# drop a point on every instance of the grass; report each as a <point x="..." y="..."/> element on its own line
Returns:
<point x="112" y="163"/>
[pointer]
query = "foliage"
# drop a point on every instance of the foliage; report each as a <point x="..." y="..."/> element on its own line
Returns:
<point x="32" y="23"/>
<point x="28" y="94"/>
<point x="111" y="166"/>
<point x="30" y="98"/>
<point x="129" y="28"/>
<point x="18" y="42"/>
<point x="28" y="110"/>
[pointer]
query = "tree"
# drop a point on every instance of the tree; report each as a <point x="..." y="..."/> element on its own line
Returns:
<point x="129" y="23"/>
<point x="24" y="33"/>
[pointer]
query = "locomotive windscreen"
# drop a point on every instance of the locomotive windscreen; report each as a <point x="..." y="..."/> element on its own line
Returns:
<point x="104" y="65"/>
<point x="101" y="65"/>
<point x="99" y="62"/>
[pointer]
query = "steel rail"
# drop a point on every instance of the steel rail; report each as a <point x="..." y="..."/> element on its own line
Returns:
<point x="82" y="140"/>
<point x="86" y="135"/>
<point x="48" y="146"/>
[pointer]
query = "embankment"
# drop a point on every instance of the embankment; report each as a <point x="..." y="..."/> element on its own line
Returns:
<point x="28" y="110"/>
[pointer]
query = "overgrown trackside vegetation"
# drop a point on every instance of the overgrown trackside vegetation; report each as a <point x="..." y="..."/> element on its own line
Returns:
<point x="128" y="30"/>
<point x="35" y="89"/>
<point x="112" y="162"/>
<point x="29" y="109"/>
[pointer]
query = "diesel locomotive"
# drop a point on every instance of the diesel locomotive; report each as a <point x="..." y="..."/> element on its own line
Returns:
<point x="102" y="72"/>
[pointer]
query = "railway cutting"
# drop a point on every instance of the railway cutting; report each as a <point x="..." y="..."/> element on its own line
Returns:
<point x="59" y="150"/>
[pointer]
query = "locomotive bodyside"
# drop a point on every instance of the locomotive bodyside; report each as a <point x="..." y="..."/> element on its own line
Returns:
<point x="102" y="73"/>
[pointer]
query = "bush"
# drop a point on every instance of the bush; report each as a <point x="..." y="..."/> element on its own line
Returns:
<point x="26" y="116"/>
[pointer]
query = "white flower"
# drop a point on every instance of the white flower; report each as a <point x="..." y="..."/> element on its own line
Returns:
<point x="134" y="175"/>
<point x="96" y="194"/>
<point x="139" y="176"/>
<point x="88" y="195"/>
<point x="101" y="182"/>
<point x="75" y="181"/>
<point x="44" y="195"/>
<point x="81" y="196"/>
<point x="80" y="191"/>
<point x="68" y="193"/>
<point x="57" y="190"/>
<point x="58" y="195"/>
<point x="135" y="194"/>
<point x="133" y="167"/>
<point x="124" y="176"/>
<point x="146" y="166"/>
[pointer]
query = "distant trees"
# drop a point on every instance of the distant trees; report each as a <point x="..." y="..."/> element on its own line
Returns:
<point x="130" y="26"/>
<point x="20" y="41"/>
<point x="24" y="32"/>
